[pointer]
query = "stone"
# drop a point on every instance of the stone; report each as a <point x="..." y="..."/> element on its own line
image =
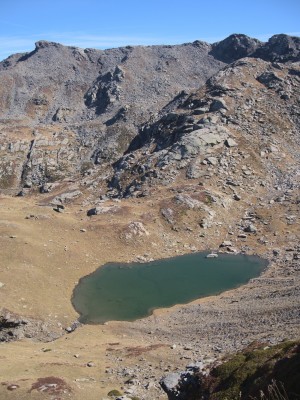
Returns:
<point x="211" y="138"/>
<point x="212" y="160"/>
<point x="135" y="229"/>
<point x="47" y="187"/>
<point x="230" y="143"/>
<point x="188" y="201"/>
<point x="250" y="228"/>
<point x="28" y="184"/>
<point x="67" y="197"/>
<point x="90" y="364"/>
<point x="168" y="214"/>
<point x="195" y="367"/>
<point x="212" y="255"/>
<point x="60" y="208"/>
<point x="226" y="243"/>
<point x="102" y="210"/>
<point x="237" y="197"/>
<point x="73" y="327"/>
<point x="269" y="79"/>
<point x="62" y="114"/>
<point x="170" y="382"/>
<point x="178" y="386"/>
<point x="12" y="387"/>
<point x="217" y="105"/>
<point x="232" y="250"/>
<point x="231" y="182"/>
<point x="200" y="111"/>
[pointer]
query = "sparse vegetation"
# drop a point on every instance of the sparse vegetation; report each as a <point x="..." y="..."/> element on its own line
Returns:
<point x="114" y="393"/>
<point x="269" y="373"/>
<point x="275" y="392"/>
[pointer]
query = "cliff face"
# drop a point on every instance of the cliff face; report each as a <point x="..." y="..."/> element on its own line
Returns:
<point x="66" y="111"/>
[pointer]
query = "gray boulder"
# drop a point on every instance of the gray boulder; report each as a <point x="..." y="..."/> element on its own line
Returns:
<point x="217" y="105"/>
<point x="250" y="228"/>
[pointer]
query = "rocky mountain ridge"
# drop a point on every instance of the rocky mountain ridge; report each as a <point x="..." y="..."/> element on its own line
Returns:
<point x="82" y="109"/>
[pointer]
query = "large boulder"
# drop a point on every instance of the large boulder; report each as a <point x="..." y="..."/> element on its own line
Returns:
<point x="135" y="229"/>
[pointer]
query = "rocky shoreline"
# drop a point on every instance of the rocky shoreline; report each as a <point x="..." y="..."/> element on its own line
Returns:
<point x="266" y="310"/>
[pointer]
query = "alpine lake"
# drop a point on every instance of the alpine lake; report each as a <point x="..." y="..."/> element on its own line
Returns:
<point x="126" y="292"/>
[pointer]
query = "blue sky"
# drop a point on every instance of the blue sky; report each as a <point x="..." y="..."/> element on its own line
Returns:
<point x="105" y="24"/>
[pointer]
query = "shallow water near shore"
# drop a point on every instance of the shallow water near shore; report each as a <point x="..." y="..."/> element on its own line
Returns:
<point x="126" y="292"/>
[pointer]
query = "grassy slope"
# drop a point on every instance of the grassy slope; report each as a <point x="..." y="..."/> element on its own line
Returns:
<point x="275" y="371"/>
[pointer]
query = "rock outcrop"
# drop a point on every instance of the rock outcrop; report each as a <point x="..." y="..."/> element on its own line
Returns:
<point x="249" y="104"/>
<point x="15" y="327"/>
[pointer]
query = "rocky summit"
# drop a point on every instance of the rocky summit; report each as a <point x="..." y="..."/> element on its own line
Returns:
<point x="135" y="154"/>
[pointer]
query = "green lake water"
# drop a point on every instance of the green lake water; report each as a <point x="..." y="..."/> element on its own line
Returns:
<point x="125" y="292"/>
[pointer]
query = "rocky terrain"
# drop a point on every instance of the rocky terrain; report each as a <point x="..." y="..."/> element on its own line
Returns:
<point x="134" y="154"/>
<point x="257" y="372"/>
<point x="81" y="109"/>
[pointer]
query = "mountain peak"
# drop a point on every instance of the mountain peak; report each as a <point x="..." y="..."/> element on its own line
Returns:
<point x="234" y="47"/>
<point x="41" y="44"/>
<point x="280" y="48"/>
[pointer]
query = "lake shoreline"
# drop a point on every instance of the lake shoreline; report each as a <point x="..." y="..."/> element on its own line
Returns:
<point x="178" y="268"/>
